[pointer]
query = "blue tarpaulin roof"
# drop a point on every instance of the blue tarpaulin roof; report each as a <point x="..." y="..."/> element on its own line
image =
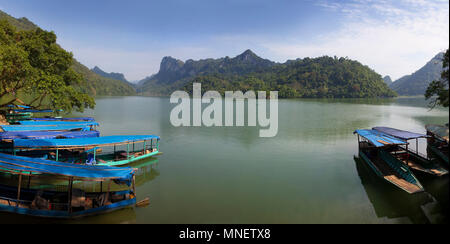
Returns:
<point x="51" y="123"/>
<point x="81" y="142"/>
<point x="44" y="128"/>
<point x="33" y="110"/>
<point x="18" y="106"/>
<point x="379" y="139"/>
<point x="24" y="164"/>
<point x="64" y="119"/>
<point x="47" y="134"/>
<point x="401" y="134"/>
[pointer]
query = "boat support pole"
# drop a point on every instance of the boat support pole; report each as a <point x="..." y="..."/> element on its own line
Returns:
<point x="70" y="194"/>
<point x="407" y="156"/>
<point x="417" y="146"/>
<point x="18" y="189"/>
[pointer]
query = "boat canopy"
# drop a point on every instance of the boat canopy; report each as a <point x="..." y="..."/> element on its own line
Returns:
<point x="21" y="165"/>
<point x="8" y="128"/>
<point x="47" y="134"/>
<point x="64" y="119"/>
<point x="439" y="131"/>
<point x="33" y="110"/>
<point x="82" y="142"/>
<point x="52" y="123"/>
<point x="400" y="134"/>
<point x="379" y="139"/>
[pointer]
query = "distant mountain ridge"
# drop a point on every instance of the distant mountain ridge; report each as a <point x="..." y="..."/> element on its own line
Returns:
<point x="317" y="77"/>
<point x="174" y="73"/>
<point x="112" y="75"/>
<point x="387" y="79"/>
<point x="417" y="83"/>
<point x="96" y="85"/>
<point x="309" y="77"/>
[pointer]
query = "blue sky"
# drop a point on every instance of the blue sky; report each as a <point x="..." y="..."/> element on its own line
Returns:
<point x="392" y="37"/>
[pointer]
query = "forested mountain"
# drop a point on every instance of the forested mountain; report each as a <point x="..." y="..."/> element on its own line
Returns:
<point x="387" y="79"/>
<point x="112" y="75"/>
<point x="417" y="83"/>
<point x="95" y="84"/>
<point x="174" y="73"/>
<point x="309" y="77"/>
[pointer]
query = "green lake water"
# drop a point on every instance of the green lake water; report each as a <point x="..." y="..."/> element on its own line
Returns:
<point x="308" y="173"/>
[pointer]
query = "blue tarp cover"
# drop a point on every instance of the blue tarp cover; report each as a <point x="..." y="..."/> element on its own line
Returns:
<point x="379" y="139"/>
<point x="44" y="128"/>
<point x="25" y="164"/>
<point x="81" y="142"/>
<point x="51" y="123"/>
<point x="64" y="119"/>
<point x="401" y="134"/>
<point x="47" y="134"/>
<point x="18" y="106"/>
<point x="33" y="110"/>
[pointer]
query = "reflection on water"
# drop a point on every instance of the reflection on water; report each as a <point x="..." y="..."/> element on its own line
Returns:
<point x="390" y="202"/>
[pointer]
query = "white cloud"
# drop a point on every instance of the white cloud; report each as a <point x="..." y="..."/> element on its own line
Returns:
<point x="393" y="38"/>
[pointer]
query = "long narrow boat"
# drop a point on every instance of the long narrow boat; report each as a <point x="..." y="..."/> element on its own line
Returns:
<point x="64" y="119"/>
<point x="55" y="122"/>
<point x="410" y="157"/>
<point x="438" y="141"/>
<point x="372" y="149"/>
<point x="70" y="203"/>
<point x="9" y="136"/>
<point x="107" y="150"/>
<point x="85" y="126"/>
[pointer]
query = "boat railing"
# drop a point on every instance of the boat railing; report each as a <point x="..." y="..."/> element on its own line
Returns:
<point x="17" y="203"/>
<point x="412" y="150"/>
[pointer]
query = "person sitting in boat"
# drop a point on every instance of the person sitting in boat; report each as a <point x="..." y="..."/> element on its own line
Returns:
<point x="90" y="159"/>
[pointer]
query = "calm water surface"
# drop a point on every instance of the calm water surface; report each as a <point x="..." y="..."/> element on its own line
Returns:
<point x="308" y="173"/>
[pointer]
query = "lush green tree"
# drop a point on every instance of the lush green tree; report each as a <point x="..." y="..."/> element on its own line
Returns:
<point x="36" y="72"/>
<point x="437" y="91"/>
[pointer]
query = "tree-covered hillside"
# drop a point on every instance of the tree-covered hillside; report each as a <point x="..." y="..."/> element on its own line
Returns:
<point x="96" y="84"/>
<point x="323" y="77"/>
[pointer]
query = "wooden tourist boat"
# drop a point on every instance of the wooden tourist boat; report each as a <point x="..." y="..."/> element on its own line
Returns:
<point x="372" y="149"/>
<point x="93" y="150"/>
<point x="438" y="141"/>
<point x="410" y="157"/>
<point x="70" y="202"/>
<point x="82" y="126"/>
<point x="88" y="119"/>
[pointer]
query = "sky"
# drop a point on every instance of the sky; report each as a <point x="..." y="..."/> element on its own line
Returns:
<point x="131" y="37"/>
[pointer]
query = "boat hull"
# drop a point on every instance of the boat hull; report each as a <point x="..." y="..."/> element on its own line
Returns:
<point x="406" y="181"/>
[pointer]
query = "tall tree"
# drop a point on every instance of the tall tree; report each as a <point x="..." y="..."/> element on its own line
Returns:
<point x="437" y="91"/>
<point x="35" y="71"/>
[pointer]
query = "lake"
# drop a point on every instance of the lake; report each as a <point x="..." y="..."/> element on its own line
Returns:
<point x="308" y="173"/>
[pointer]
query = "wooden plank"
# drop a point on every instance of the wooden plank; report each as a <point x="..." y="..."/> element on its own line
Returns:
<point x="409" y="187"/>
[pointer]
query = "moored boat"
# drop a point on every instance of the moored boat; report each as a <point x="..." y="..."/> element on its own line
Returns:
<point x="82" y="126"/>
<point x="63" y="119"/>
<point x="107" y="150"/>
<point x="410" y="157"/>
<point x="68" y="203"/>
<point x="438" y="141"/>
<point x="372" y="149"/>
